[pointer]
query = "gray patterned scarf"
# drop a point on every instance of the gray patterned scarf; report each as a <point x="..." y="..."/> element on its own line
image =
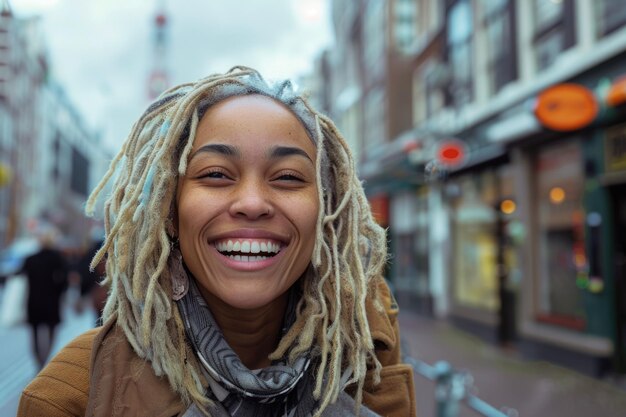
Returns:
<point x="280" y="390"/>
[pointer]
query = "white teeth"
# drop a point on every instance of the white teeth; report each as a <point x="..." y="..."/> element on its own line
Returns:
<point x="248" y="246"/>
<point x="244" y="258"/>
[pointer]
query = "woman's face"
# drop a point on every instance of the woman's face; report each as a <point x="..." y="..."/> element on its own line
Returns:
<point x="248" y="205"/>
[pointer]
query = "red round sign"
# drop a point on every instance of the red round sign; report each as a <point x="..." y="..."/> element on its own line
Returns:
<point x="451" y="152"/>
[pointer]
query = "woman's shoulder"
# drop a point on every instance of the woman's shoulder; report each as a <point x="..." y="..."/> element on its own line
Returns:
<point x="123" y="383"/>
<point x="62" y="387"/>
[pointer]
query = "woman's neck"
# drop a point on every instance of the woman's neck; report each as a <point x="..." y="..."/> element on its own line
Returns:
<point x="252" y="334"/>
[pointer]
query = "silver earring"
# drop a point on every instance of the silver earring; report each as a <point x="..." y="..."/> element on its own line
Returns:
<point x="178" y="275"/>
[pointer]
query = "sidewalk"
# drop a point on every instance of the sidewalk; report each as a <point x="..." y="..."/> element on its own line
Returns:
<point x="533" y="388"/>
<point x="17" y="366"/>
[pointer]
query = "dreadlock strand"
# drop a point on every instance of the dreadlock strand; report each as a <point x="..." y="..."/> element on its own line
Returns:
<point x="182" y="166"/>
<point x="319" y="237"/>
<point x="93" y="197"/>
<point x="320" y="296"/>
<point x="152" y="286"/>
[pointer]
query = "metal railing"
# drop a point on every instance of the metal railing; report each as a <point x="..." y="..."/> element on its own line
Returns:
<point x="453" y="388"/>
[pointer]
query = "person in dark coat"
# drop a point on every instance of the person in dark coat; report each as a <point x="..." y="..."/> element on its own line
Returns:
<point x="47" y="280"/>
<point x="90" y="281"/>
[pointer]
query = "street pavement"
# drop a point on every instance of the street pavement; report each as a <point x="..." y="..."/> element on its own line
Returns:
<point x="17" y="365"/>
<point x="504" y="379"/>
<point x="501" y="377"/>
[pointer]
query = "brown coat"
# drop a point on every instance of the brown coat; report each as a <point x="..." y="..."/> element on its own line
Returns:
<point x="98" y="374"/>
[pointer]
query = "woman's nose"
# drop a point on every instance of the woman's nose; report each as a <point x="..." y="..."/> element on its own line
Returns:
<point x="252" y="201"/>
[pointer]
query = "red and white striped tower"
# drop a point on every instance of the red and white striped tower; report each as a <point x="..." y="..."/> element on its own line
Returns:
<point x="158" y="81"/>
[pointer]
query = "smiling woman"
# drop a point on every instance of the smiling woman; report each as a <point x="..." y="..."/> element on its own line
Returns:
<point x="244" y="270"/>
<point x="251" y="181"/>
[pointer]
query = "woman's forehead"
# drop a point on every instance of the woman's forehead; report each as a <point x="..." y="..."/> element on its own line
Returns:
<point x="284" y="98"/>
<point x="252" y="117"/>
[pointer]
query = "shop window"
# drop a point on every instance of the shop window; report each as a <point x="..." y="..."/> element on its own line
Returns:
<point x="560" y="251"/>
<point x="610" y="15"/>
<point x="475" y="245"/>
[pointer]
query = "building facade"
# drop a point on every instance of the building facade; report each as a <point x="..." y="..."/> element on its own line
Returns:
<point x="49" y="161"/>
<point x="520" y="239"/>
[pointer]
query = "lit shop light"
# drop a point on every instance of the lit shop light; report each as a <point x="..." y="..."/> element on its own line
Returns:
<point x="557" y="195"/>
<point x="508" y="206"/>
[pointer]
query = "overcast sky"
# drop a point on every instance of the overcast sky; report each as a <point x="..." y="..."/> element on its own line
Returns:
<point x="102" y="51"/>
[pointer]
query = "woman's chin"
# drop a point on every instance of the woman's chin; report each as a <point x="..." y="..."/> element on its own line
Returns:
<point x="246" y="297"/>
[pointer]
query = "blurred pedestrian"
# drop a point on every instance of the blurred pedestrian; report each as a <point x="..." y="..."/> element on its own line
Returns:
<point x="91" y="290"/>
<point x="244" y="267"/>
<point x="46" y="271"/>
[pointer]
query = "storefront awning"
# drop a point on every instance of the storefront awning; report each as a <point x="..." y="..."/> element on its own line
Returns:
<point x="480" y="158"/>
<point x="390" y="166"/>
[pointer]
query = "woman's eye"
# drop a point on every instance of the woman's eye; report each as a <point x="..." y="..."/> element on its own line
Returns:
<point x="214" y="175"/>
<point x="289" y="177"/>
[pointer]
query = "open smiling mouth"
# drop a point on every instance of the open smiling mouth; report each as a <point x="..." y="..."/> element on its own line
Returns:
<point x="248" y="250"/>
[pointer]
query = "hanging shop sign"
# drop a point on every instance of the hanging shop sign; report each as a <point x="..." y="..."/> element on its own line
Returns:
<point x="451" y="153"/>
<point x="617" y="92"/>
<point x="566" y="107"/>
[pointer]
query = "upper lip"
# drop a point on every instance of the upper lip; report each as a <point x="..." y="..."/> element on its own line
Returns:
<point x="249" y="234"/>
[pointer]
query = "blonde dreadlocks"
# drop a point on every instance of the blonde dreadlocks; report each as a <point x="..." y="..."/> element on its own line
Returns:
<point x="349" y="253"/>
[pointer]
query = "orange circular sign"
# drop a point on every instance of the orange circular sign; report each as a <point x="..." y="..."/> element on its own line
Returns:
<point x="566" y="107"/>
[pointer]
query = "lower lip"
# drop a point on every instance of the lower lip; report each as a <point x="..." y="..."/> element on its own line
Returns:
<point x="249" y="265"/>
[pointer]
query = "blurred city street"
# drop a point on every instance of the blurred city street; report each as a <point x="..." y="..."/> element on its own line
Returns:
<point x="17" y="364"/>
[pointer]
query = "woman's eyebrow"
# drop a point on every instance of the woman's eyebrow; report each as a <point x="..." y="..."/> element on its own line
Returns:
<point x="282" y="151"/>
<point x="218" y="148"/>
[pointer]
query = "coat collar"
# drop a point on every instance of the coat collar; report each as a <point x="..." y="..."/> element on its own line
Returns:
<point x="122" y="382"/>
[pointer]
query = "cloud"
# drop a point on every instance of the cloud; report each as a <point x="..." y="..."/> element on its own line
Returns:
<point x="102" y="51"/>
